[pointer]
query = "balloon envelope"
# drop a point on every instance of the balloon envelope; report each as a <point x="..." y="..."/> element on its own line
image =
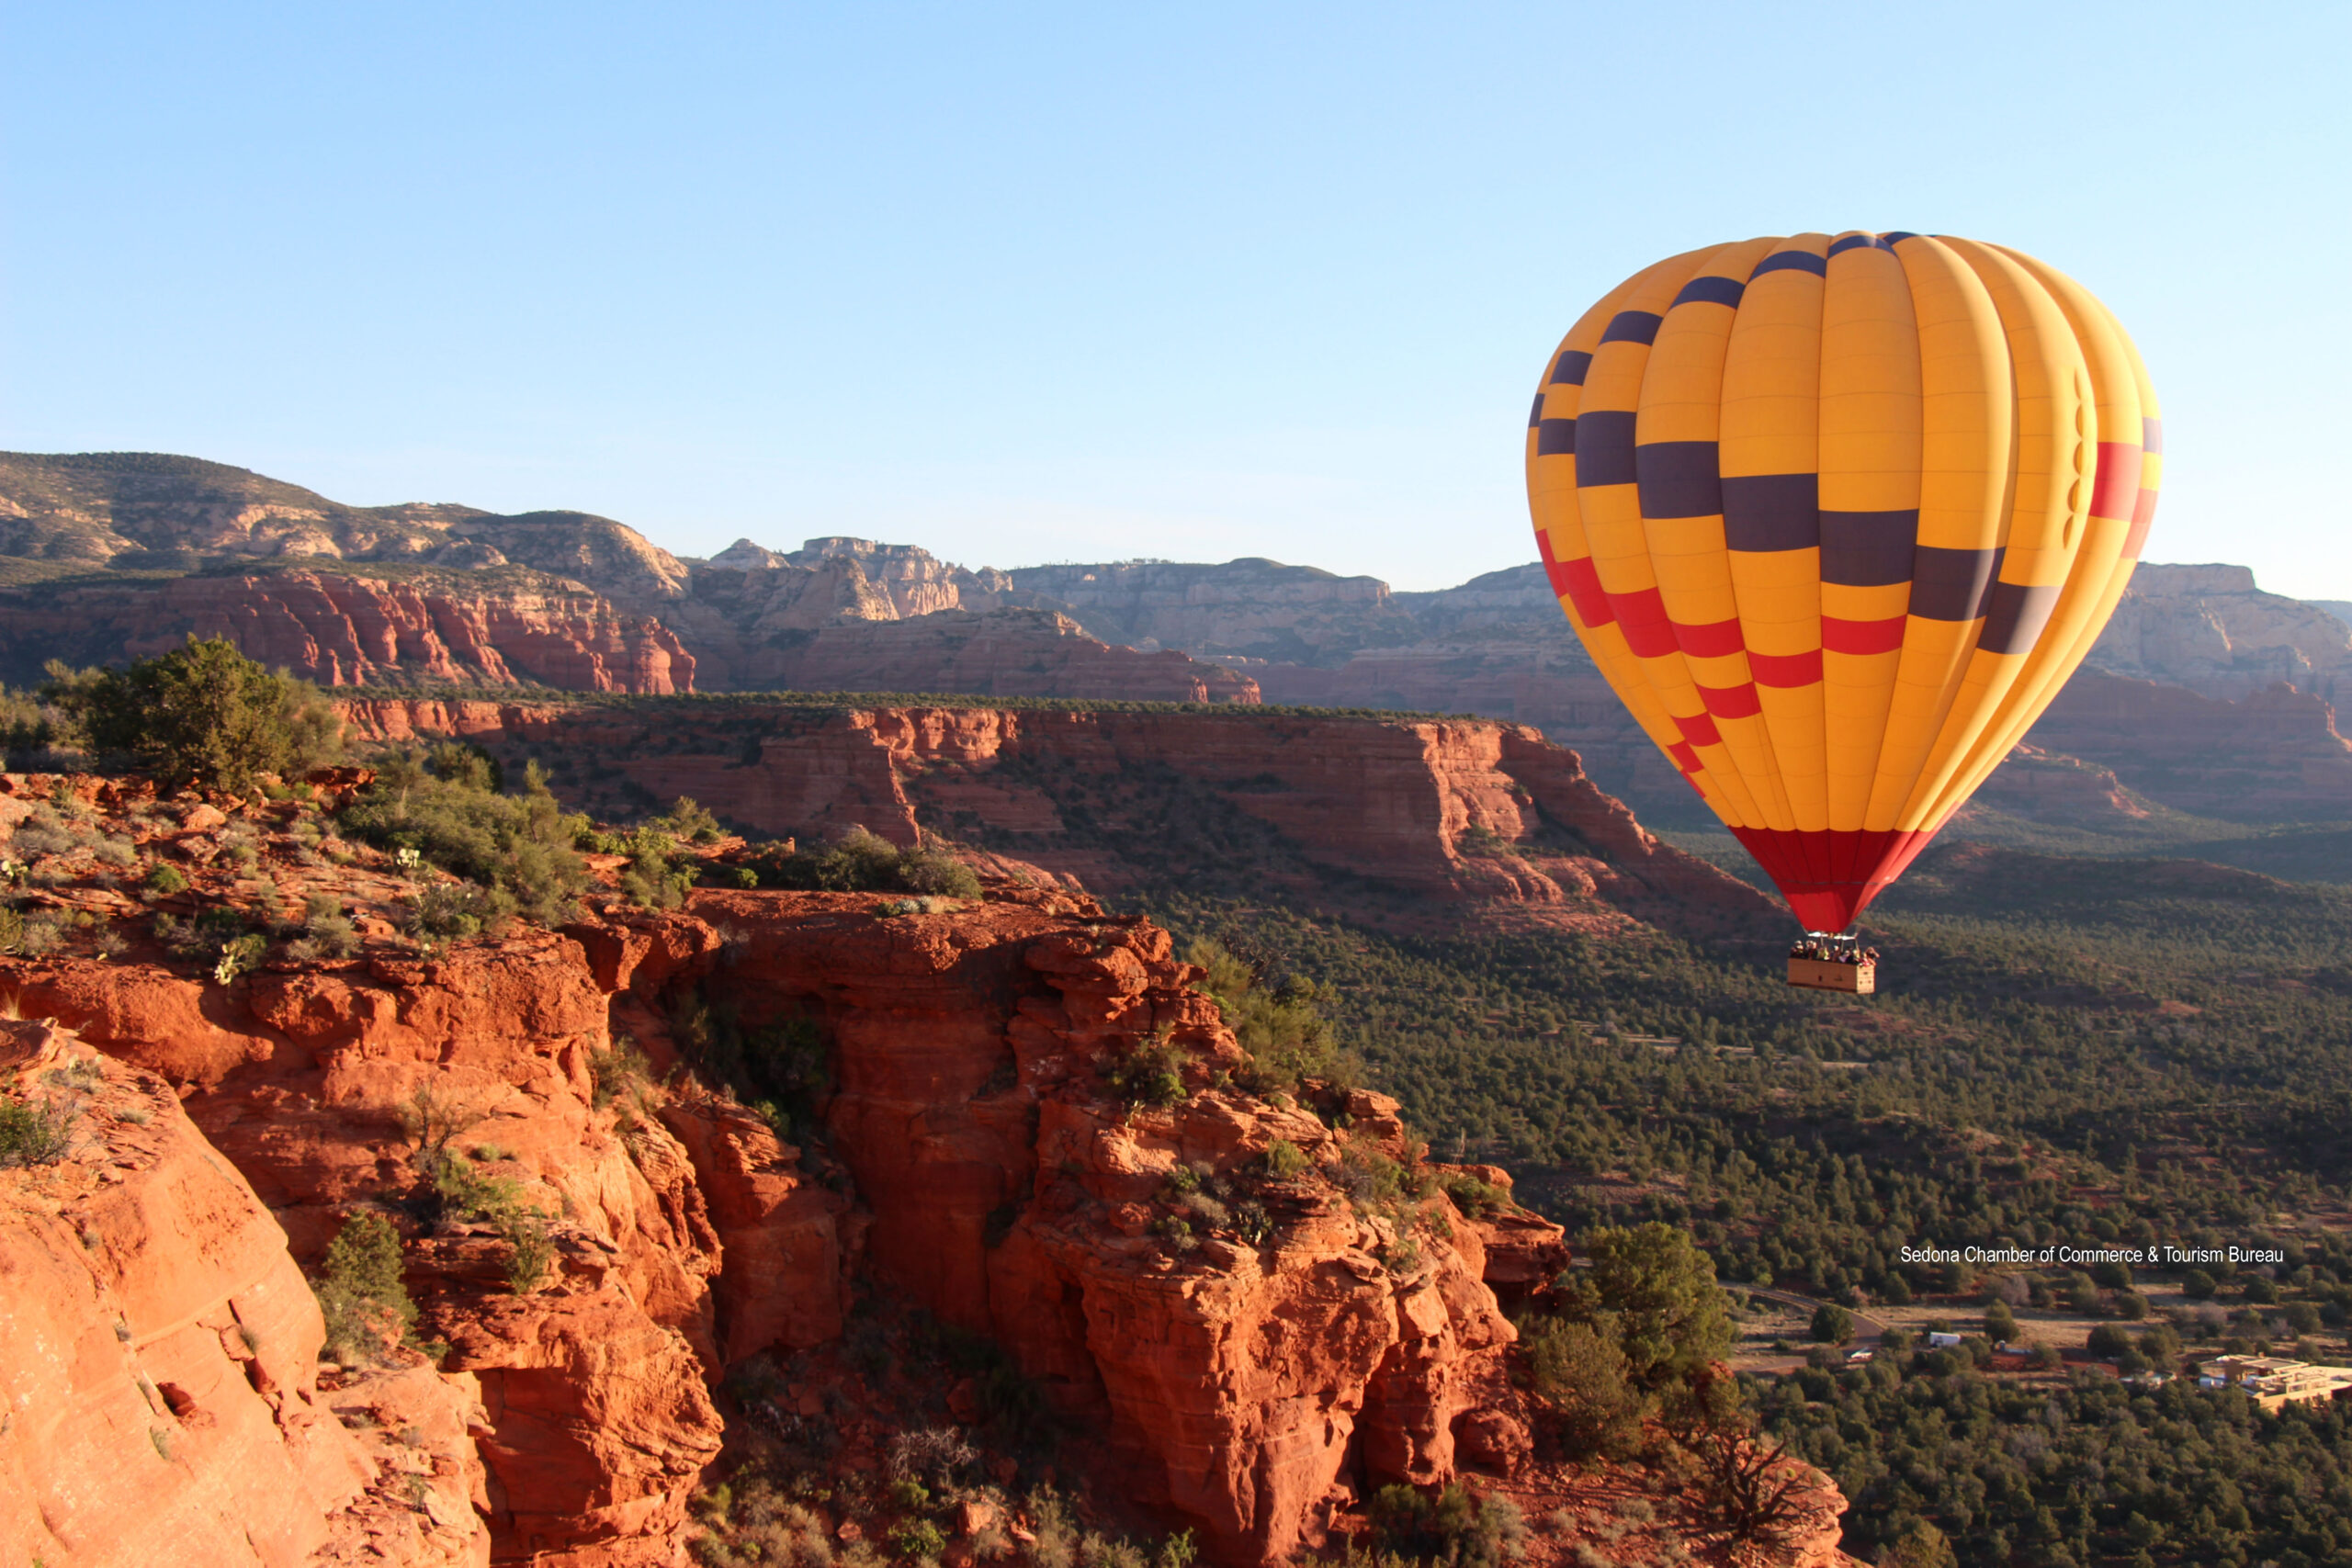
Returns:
<point x="1837" y="516"/>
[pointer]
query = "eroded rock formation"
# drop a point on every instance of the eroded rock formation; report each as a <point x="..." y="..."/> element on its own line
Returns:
<point x="160" y="1373"/>
<point x="1453" y="814"/>
<point x="1250" y="1323"/>
<point x="340" y="630"/>
<point x="2276" y="754"/>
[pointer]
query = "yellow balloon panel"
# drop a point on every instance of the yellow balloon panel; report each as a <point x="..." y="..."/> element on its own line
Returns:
<point x="1836" y="517"/>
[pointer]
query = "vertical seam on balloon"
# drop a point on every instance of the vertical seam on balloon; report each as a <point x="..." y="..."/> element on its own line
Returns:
<point x="1672" y="658"/>
<point x="2014" y="685"/>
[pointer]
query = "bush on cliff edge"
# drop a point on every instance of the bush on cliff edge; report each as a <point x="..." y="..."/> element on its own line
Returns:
<point x="202" y="715"/>
<point x="860" y="862"/>
<point x="1281" y="1024"/>
<point x="366" y="1304"/>
<point x="444" y="803"/>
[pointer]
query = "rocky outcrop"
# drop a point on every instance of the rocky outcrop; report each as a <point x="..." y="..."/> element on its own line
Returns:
<point x="160" y="1376"/>
<point x="1000" y="653"/>
<point x="2045" y="786"/>
<point x="596" y="1423"/>
<point x="2209" y="629"/>
<point x="339" y="630"/>
<point x="1546" y="681"/>
<point x="2275" y="755"/>
<point x="1261" y="609"/>
<point x="1237" y="1372"/>
<point x="1451" y="815"/>
<point x="1030" y="1125"/>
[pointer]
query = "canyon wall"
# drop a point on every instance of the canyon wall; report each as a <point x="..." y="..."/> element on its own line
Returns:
<point x="997" y="653"/>
<point x="1449" y="818"/>
<point x="2212" y="631"/>
<point x="160" y="1372"/>
<point x="976" y="1160"/>
<point x="2275" y="755"/>
<point x="343" y="630"/>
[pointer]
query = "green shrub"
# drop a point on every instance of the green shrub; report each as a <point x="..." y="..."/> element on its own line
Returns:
<point x="201" y="715"/>
<point x="530" y="1254"/>
<point x="1832" y="1324"/>
<point x="1475" y="1198"/>
<point x="1652" y="1291"/>
<point x="860" y="862"/>
<point x="327" y="932"/>
<point x="466" y="765"/>
<point x="917" y="1539"/>
<point x="363" y="1297"/>
<point x="1285" y="1161"/>
<point x="1584" y="1375"/>
<point x="35" y="1133"/>
<point x="1450" y="1527"/>
<point x="520" y="845"/>
<point x="686" y="820"/>
<point x="1375" y="1183"/>
<point x="206" y="939"/>
<point x="658" y="875"/>
<point x="1282" y="1026"/>
<point x="450" y="911"/>
<point x="617" y="1069"/>
<point x="238" y="956"/>
<point x="1150" y="1073"/>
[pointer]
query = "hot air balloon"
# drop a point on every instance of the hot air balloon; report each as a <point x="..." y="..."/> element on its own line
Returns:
<point x="1837" y="517"/>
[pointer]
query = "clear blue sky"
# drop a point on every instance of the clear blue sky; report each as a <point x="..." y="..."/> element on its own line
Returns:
<point x="1023" y="282"/>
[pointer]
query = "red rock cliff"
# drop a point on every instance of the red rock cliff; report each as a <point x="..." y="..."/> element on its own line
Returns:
<point x="1456" y="813"/>
<point x="2276" y="754"/>
<point x="1238" y="1377"/>
<point x="344" y="630"/>
<point x="161" y="1363"/>
<point x="1247" y="1346"/>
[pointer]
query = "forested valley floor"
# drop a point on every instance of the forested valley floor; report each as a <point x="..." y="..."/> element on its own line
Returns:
<point x="2066" y="1051"/>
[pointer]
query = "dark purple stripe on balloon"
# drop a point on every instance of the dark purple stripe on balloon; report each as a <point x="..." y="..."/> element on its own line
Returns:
<point x="2014" y="619"/>
<point x="1790" y="260"/>
<point x="1632" y="326"/>
<point x="1557" y="438"/>
<point x="1678" y="478"/>
<point x="1867" y="550"/>
<point x="1605" y="448"/>
<point x="1712" y="291"/>
<point x="1952" y="585"/>
<point x="1772" y="512"/>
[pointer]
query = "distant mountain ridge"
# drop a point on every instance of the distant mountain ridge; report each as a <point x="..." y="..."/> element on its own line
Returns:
<point x="115" y="554"/>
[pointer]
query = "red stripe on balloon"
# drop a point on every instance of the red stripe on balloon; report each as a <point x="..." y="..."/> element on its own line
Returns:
<point x="2144" y="513"/>
<point x="1712" y="640"/>
<point x="1698" y="728"/>
<point x="1732" y="701"/>
<point x="1684" y="757"/>
<point x="1554" y="567"/>
<point x="1647" y="630"/>
<point x="2116" y="491"/>
<point x="1786" y="669"/>
<point x="1582" y="580"/>
<point x="1863" y="636"/>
